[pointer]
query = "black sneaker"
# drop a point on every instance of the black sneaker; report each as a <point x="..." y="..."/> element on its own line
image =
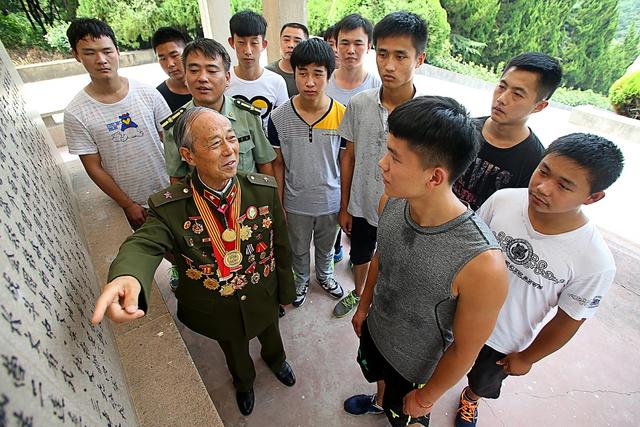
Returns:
<point x="332" y="287"/>
<point x="301" y="294"/>
<point x="362" y="404"/>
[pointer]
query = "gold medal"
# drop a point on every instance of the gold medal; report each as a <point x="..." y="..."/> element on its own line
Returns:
<point x="255" y="278"/>
<point x="212" y="284"/>
<point x="245" y="233"/>
<point x="194" y="274"/>
<point x="227" y="290"/>
<point x="229" y="235"/>
<point x="186" y="225"/>
<point x="232" y="259"/>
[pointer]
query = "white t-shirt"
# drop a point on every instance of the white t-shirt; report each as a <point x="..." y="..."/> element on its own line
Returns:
<point x="125" y="134"/>
<point x="266" y="92"/>
<point x="343" y="96"/>
<point x="571" y="270"/>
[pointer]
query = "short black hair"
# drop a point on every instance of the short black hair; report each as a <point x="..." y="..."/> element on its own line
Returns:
<point x="94" y="28"/>
<point x="403" y="23"/>
<point x="313" y="51"/>
<point x="247" y="24"/>
<point x="602" y="159"/>
<point x="166" y="35"/>
<point x="544" y="65"/>
<point x="297" y="25"/>
<point x="353" y="22"/>
<point x="209" y="48"/>
<point x="439" y="130"/>
<point x="329" y="33"/>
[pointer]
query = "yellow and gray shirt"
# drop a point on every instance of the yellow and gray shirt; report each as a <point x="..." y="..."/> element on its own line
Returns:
<point x="310" y="153"/>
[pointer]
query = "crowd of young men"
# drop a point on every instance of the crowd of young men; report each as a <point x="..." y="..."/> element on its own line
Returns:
<point x="465" y="233"/>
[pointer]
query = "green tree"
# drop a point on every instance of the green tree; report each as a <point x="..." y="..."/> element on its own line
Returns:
<point x="375" y="10"/>
<point x="472" y="19"/>
<point x="587" y="57"/>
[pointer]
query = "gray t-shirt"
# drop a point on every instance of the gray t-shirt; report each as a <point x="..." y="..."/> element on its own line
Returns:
<point x="343" y="96"/>
<point x="365" y="125"/>
<point x="411" y="316"/>
<point x="289" y="79"/>
<point x="125" y="134"/>
<point x="310" y="153"/>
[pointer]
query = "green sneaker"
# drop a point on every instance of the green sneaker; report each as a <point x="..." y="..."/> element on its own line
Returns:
<point x="174" y="277"/>
<point x="346" y="305"/>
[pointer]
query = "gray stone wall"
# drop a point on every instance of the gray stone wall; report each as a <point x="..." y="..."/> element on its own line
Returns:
<point x="55" y="368"/>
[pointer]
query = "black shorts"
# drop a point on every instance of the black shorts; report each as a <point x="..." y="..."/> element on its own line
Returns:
<point x="485" y="378"/>
<point x="363" y="241"/>
<point x="375" y="368"/>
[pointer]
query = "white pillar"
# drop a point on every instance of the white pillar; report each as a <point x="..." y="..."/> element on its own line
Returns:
<point x="215" y="16"/>
<point x="277" y="13"/>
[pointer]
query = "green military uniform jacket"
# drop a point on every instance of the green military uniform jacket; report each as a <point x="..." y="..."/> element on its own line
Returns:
<point x="206" y="304"/>
<point x="247" y="125"/>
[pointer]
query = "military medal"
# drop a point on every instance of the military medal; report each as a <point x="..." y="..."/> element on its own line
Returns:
<point x="229" y="235"/>
<point x="232" y="259"/>
<point x="266" y="223"/>
<point x="245" y="233"/>
<point x="211" y="284"/>
<point x="252" y="212"/>
<point x="238" y="282"/>
<point x="194" y="274"/>
<point x="266" y="271"/>
<point x="197" y="228"/>
<point x="225" y="239"/>
<point x="264" y="210"/>
<point x="186" y="225"/>
<point x="255" y="278"/>
<point x="273" y="264"/>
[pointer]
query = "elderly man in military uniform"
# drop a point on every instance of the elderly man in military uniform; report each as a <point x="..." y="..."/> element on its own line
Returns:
<point x="228" y="234"/>
<point x="207" y="65"/>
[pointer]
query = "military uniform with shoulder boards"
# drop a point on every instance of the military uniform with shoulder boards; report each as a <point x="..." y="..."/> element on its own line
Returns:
<point x="231" y="299"/>
<point x="247" y="125"/>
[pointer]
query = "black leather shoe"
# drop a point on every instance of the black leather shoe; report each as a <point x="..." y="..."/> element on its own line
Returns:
<point x="285" y="375"/>
<point x="245" y="400"/>
<point x="281" y="311"/>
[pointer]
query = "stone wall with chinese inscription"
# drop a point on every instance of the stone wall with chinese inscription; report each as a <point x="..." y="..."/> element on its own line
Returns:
<point x="55" y="368"/>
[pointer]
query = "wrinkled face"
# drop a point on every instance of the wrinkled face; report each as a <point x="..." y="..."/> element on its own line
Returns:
<point x="516" y="97"/>
<point x="560" y="185"/>
<point x="334" y="47"/>
<point x="311" y="80"/>
<point x="353" y="45"/>
<point x="248" y="49"/>
<point x="397" y="60"/>
<point x="402" y="171"/>
<point x="206" y="78"/>
<point x="169" y="56"/>
<point x="289" y="39"/>
<point x="215" y="148"/>
<point x="99" y="57"/>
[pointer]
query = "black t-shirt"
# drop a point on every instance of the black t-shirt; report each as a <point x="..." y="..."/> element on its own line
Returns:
<point x="174" y="100"/>
<point x="497" y="168"/>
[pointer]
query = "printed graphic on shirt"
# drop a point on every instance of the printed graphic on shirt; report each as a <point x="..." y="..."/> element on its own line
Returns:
<point x="259" y="102"/>
<point x="520" y="252"/>
<point x="123" y="129"/>
<point x="480" y="180"/>
<point x="594" y="303"/>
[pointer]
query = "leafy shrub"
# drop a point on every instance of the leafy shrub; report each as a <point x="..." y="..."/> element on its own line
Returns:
<point x="17" y="32"/>
<point x="625" y="95"/>
<point x="575" y="97"/>
<point x="57" y="37"/>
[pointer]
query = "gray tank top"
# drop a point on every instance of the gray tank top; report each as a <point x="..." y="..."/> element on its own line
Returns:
<point x="411" y="316"/>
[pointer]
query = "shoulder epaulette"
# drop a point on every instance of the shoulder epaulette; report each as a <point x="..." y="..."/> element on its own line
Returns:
<point x="178" y="191"/>
<point x="260" y="179"/>
<point x="246" y="106"/>
<point x="171" y="120"/>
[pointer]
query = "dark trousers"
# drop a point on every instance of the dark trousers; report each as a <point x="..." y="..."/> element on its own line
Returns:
<point x="239" y="361"/>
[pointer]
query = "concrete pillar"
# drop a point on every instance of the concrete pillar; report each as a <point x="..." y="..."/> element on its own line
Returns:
<point x="215" y="15"/>
<point x="277" y="13"/>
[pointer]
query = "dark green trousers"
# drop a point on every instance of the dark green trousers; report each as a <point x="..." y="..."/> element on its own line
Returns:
<point x="239" y="360"/>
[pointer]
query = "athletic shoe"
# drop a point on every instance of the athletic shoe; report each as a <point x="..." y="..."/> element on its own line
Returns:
<point x="174" y="277"/>
<point x="332" y="287"/>
<point x="362" y="404"/>
<point x="346" y="305"/>
<point x="338" y="256"/>
<point x="301" y="294"/>
<point x="467" y="415"/>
